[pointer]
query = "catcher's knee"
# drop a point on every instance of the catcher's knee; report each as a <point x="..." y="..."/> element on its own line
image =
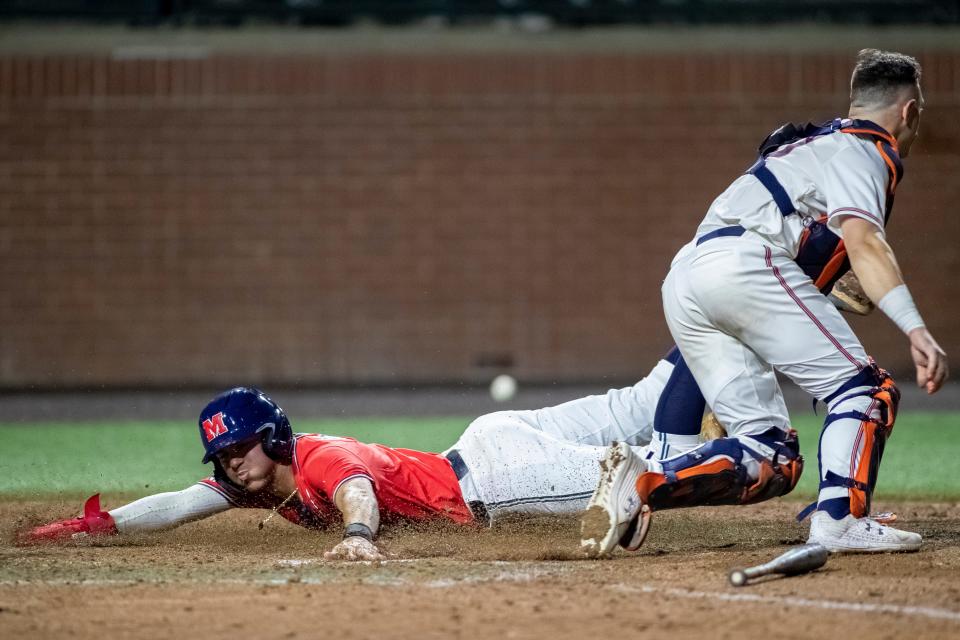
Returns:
<point x="876" y="425"/>
<point x="872" y="382"/>
<point x="726" y="471"/>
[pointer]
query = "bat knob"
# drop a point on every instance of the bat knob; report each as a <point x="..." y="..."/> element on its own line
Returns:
<point x="738" y="578"/>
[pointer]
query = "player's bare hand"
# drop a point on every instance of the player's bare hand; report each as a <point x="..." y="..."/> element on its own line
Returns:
<point x="930" y="360"/>
<point x="354" y="548"/>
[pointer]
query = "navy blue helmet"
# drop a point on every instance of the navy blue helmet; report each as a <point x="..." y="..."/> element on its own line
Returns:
<point x="244" y="414"/>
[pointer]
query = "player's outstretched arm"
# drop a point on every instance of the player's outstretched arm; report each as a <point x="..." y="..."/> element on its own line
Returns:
<point x="168" y="510"/>
<point x="357" y="502"/>
<point x="876" y="267"/>
<point x="152" y="513"/>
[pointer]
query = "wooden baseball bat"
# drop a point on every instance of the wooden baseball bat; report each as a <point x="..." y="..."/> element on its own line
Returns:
<point x="802" y="559"/>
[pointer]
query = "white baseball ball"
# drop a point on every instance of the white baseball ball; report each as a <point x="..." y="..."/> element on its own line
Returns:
<point x="503" y="388"/>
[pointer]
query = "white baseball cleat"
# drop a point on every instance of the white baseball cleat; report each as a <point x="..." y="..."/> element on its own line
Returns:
<point x="615" y="514"/>
<point x="859" y="535"/>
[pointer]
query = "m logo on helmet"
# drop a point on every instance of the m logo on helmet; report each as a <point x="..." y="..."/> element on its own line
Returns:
<point x="213" y="426"/>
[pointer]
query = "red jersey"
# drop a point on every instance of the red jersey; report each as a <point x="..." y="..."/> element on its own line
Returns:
<point x="409" y="484"/>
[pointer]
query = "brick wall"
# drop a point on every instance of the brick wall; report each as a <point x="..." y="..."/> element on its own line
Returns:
<point x="384" y="217"/>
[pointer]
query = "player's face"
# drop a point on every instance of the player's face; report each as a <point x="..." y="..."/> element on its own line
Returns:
<point x="247" y="465"/>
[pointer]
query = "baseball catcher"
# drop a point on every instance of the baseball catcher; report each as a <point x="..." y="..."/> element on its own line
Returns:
<point x="754" y="293"/>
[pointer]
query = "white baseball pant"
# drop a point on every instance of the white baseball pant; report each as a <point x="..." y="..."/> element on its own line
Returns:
<point x="740" y="310"/>
<point x="547" y="461"/>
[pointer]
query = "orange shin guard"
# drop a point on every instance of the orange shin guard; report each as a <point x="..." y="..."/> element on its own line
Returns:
<point x="713" y="474"/>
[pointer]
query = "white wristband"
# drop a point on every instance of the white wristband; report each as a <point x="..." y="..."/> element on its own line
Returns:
<point x="899" y="307"/>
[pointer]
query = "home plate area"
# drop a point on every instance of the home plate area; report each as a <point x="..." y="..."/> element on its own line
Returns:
<point x="519" y="579"/>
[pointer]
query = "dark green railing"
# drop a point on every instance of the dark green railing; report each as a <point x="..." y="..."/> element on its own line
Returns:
<point x="565" y="12"/>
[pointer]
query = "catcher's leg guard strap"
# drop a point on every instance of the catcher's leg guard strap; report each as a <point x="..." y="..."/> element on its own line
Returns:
<point x="719" y="472"/>
<point x="872" y="382"/>
<point x="868" y="428"/>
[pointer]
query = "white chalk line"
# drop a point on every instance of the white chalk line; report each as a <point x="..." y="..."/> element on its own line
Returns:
<point x="839" y="605"/>
<point x="521" y="572"/>
<point x="303" y="562"/>
<point x="444" y="583"/>
<point x="509" y="571"/>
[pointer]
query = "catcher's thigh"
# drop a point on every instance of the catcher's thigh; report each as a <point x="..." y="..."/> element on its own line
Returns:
<point x="738" y="311"/>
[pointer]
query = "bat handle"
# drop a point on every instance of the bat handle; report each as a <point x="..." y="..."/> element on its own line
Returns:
<point x="740" y="577"/>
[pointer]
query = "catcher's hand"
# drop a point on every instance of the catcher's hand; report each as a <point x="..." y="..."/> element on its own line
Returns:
<point x="847" y="295"/>
<point x="354" y="548"/>
<point x="930" y="359"/>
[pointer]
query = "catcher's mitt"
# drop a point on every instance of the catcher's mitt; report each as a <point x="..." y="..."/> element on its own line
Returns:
<point x="847" y="295"/>
<point x="710" y="428"/>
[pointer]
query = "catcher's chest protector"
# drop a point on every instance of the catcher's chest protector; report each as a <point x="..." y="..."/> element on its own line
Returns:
<point x="822" y="255"/>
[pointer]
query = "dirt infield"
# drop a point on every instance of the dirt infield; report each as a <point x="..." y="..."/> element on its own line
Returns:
<point x="223" y="578"/>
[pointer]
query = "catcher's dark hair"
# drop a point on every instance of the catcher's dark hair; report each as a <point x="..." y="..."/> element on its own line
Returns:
<point x="880" y="76"/>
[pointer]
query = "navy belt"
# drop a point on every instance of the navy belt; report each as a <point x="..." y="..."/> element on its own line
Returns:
<point x="736" y="230"/>
<point x="477" y="507"/>
<point x="456" y="461"/>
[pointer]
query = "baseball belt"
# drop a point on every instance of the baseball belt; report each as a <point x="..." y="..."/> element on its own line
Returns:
<point x="477" y="507"/>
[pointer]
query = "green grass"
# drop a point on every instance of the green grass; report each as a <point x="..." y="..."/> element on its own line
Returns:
<point x="147" y="457"/>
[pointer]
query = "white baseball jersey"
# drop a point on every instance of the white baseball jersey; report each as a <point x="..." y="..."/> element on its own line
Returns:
<point x="807" y="180"/>
<point x="833" y="175"/>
